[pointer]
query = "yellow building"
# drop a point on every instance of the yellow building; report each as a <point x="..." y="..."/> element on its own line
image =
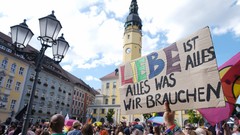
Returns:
<point x="132" y="48"/>
<point x="13" y="71"/>
<point x="106" y="99"/>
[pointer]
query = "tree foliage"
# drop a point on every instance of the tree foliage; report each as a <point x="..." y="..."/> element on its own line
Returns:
<point x="147" y="116"/>
<point x="109" y="115"/>
<point x="194" y="117"/>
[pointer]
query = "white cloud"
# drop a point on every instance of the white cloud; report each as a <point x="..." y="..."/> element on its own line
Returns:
<point x="68" y="68"/>
<point x="90" y="78"/>
<point x="94" y="29"/>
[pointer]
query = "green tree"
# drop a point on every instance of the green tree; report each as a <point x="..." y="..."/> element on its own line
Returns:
<point x="147" y="116"/>
<point x="194" y="117"/>
<point x="109" y="115"/>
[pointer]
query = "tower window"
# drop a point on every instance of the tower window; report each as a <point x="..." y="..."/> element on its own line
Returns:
<point x="128" y="36"/>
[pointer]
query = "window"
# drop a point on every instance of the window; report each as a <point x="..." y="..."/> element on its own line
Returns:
<point x="107" y="85"/>
<point x="17" y="87"/>
<point x="113" y="101"/>
<point x="106" y="101"/>
<point x="13" y="104"/>
<point x="75" y="103"/>
<point x="4" y="63"/>
<point x="5" y="98"/>
<point x="21" y="70"/>
<point x="2" y="47"/>
<point x="94" y="111"/>
<point x="114" y="85"/>
<point x="13" y="68"/>
<point x="9" y="83"/>
<point x="1" y="80"/>
<point x="103" y="111"/>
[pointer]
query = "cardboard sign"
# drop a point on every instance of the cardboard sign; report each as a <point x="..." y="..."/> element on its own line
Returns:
<point x="185" y="74"/>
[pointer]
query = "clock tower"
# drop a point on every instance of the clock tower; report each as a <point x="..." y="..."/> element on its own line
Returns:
<point x="132" y="38"/>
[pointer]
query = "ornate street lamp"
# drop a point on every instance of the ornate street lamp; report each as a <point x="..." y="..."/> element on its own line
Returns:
<point x="49" y="29"/>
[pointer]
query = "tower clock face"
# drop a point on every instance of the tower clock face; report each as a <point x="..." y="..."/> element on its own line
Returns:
<point x="128" y="50"/>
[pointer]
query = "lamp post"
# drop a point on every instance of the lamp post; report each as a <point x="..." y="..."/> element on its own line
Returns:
<point x="21" y="35"/>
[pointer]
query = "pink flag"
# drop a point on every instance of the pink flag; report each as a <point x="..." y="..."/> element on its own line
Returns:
<point x="215" y="115"/>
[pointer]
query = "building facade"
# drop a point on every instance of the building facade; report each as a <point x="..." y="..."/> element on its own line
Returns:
<point x="13" y="72"/>
<point x="83" y="96"/>
<point x="107" y="99"/>
<point x="57" y="91"/>
<point x="53" y="92"/>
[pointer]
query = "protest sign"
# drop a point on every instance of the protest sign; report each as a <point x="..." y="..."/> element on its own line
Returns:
<point x="185" y="74"/>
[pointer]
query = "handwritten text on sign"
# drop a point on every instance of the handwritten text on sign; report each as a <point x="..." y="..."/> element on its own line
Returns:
<point x="184" y="74"/>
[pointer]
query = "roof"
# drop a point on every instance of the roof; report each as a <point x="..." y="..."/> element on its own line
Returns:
<point x="133" y="18"/>
<point x="79" y="82"/>
<point x="110" y="76"/>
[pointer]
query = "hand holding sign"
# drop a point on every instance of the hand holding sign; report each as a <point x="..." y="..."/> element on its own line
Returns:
<point x="168" y="115"/>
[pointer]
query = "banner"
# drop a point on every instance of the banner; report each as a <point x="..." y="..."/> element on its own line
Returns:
<point x="185" y="74"/>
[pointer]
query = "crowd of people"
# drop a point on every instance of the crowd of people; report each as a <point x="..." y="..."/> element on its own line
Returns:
<point x="169" y="127"/>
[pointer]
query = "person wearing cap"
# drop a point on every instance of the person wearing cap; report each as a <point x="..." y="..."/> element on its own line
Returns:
<point x="76" y="128"/>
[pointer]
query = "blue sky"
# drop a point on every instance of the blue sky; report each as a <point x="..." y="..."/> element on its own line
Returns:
<point x="94" y="28"/>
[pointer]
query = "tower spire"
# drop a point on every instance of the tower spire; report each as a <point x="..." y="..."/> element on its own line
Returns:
<point x="133" y="18"/>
